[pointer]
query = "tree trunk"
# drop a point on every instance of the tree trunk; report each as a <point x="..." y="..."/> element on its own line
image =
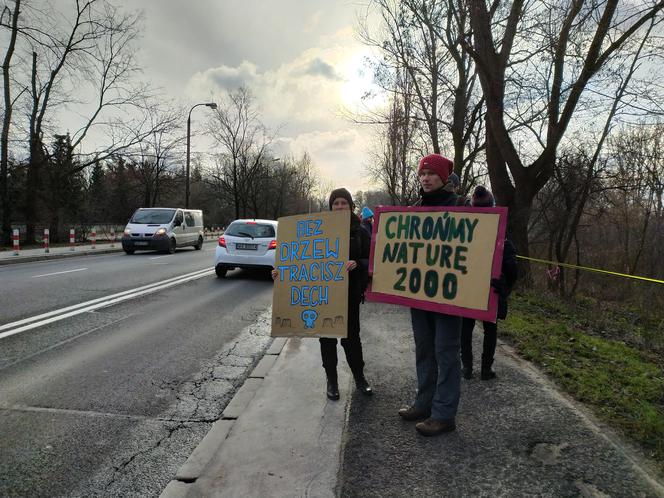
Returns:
<point x="517" y="227"/>
<point x="5" y="202"/>
<point x="35" y="165"/>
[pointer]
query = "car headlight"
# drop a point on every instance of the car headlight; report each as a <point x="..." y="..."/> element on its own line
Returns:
<point x="160" y="232"/>
<point x="127" y="231"/>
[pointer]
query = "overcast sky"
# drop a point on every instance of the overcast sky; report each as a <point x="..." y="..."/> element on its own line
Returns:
<point x="301" y="59"/>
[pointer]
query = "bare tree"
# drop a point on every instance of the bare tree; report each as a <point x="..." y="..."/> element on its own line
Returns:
<point x="78" y="57"/>
<point x="393" y="158"/>
<point x="152" y="157"/>
<point x="5" y="202"/>
<point x="426" y="69"/>
<point x="557" y="49"/>
<point x="637" y="190"/>
<point x="243" y="141"/>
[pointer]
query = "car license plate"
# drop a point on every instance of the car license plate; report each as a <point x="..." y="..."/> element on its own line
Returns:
<point x="140" y="243"/>
<point x="246" y="247"/>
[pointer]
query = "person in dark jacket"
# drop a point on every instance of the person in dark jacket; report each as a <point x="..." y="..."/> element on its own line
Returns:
<point x="436" y="335"/>
<point x="502" y="286"/>
<point x="357" y="266"/>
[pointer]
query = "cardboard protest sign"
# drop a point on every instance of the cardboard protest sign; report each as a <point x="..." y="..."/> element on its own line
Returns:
<point x="310" y="297"/>
<point x="438" y="258"/>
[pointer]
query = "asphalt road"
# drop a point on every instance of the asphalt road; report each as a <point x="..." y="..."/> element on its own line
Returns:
<point x="33" y="288"/>
<point x="111" y="402"/>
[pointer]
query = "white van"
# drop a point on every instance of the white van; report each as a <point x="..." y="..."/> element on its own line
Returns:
<point x="163" y="229"/>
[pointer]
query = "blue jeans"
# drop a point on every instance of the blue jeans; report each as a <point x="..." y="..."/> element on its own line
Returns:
<point x="437" y="340"/>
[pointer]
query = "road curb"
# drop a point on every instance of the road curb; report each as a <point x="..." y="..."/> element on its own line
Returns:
<point x="203" y="454"/>
<point x="44" y="257"/>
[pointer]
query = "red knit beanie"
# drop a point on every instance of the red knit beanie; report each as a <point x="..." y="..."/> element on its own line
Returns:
<point x="440" y="165"/>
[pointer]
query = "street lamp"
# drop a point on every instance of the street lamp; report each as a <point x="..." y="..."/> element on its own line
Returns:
<point x="211" y="105"/>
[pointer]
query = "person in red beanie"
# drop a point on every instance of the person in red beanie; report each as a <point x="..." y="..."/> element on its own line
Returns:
<point x="437" y="335"/>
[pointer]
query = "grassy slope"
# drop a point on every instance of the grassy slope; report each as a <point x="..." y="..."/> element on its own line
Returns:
<point x="600" y="355"/>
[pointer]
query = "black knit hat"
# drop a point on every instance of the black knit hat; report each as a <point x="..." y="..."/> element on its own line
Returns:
<point x="342" y="192"/>
<point x="482" y="197"/>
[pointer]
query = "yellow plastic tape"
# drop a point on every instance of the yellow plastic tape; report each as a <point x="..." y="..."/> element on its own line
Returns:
<point x="597" y="270"/>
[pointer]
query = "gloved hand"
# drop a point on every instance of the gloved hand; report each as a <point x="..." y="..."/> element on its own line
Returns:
<point x="498" y="286"/>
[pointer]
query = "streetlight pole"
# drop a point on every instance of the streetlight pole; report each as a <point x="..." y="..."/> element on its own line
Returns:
<point x="211" y="105"/>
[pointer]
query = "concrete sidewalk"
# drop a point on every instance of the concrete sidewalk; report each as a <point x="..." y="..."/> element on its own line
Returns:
<point x="516" y="436"/>
<point x="7" y="256"/>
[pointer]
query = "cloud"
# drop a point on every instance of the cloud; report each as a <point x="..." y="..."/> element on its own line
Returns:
<point x="318" y="67"/>
<point x="304" y="98"/>
<point x="313" y="22"/>
<point x="225" y="78"/>
<point x="339" y="155"/>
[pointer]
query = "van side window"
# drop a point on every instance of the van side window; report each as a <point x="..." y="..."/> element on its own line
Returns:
<point x="179" y="218"/>
<point x="199" y="219"/>
<point x="189" y="218"/>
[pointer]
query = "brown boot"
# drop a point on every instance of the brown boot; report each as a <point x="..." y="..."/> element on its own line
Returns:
<point x="433" y="427"/>
<point x="412" y="413"/>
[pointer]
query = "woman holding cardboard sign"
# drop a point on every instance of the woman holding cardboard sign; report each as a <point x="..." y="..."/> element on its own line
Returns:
<point x="357" y="268"/>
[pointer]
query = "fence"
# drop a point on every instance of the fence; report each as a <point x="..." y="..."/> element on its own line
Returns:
<point x="105" y="232"/>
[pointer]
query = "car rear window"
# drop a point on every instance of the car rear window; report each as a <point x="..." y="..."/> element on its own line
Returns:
<point x="152" y="216"/>
<point x="254" y="230"/>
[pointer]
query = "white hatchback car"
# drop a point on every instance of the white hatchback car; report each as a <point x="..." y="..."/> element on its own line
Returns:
<point x="246" y="244"/>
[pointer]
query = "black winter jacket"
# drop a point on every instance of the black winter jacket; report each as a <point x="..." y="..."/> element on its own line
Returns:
<point x="440" y="197"/>
<point x="508" y="275"/>
<point x="360" y="245"/>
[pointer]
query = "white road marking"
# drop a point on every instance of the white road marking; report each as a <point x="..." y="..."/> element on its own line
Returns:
<point x="157" y="257"/>
<point x="102" y="302"/>
<point x="58" y="273"/>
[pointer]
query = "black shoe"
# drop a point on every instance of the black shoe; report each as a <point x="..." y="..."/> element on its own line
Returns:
<point x="363" y="386"/>
<point x="487" y="374"/>
<point x="467" y="373"/>
<point x="332" y="389"/>
<point x="412" y="413"/>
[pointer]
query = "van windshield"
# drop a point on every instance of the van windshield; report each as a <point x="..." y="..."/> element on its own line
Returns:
<point x="152" y="216"/>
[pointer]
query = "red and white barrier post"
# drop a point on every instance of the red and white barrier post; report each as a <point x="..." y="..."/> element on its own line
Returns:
<point x="112" y="237"/>
<point x="15" y="241"/>
<point x="93" y="238"/>
<point x="46" y="240"/>
<point x="72" y="240"/>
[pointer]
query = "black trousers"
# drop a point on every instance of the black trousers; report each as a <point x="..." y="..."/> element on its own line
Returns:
<point x="489" y="343"/>
<point x="352" y="345"/>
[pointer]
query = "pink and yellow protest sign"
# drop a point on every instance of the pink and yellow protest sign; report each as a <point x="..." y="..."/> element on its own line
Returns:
<point x="438" y="258"/>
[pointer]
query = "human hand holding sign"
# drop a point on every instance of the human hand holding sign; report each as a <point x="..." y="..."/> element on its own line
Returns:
<point x="498" y="286"/>
<point x="351" y="265"/>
